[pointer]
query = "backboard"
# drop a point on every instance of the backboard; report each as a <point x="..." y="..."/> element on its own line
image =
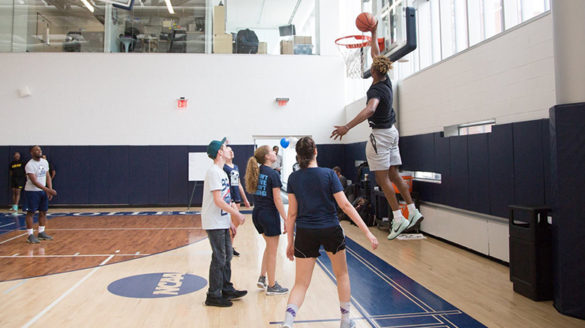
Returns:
<point x="397" y="25"/>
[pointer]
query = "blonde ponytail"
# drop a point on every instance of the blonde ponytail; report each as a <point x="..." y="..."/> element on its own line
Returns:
<point x="252" y="173"/>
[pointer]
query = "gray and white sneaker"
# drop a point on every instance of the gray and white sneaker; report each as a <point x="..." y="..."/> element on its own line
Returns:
<point x="347" y="324"/>
<point x="32" y="239"/>
<point x="43" y="236"/>
<point x="399" y="224"/>
<point x="276" y="290"/>
<point x="261" y="282"/>
<point x="414" y="217"/>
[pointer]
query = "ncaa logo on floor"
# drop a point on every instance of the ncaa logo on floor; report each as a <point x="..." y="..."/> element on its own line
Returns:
<point x="157" y="285"/>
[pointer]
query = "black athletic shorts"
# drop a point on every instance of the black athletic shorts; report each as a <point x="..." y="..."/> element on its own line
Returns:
<point x="18" y="182"/>
<point x="266" y="221"/>
<point x="308" y="241"/>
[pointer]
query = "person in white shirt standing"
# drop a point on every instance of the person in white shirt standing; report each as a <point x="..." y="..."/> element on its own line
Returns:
<point x="277" y="165"/>
<point x="38" y="191"/>
<point x="217" y="216"/>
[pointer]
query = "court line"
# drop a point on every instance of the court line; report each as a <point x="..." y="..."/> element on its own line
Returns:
<point x="123" y="229"/>
<point x="55" y="302"/>
<point x="5" y="225"/>
<point x="360" y="308"/>
<point x="386" y="316"/>
<point x="73" y="255"/>
<point x="15" y="286"/>
<point x="7" y="240"/>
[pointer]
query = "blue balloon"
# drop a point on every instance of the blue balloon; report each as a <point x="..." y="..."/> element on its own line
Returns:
<point x="284" y="142"/>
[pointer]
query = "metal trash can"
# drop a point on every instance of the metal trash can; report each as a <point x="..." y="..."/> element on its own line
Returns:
<point x="531" y="252"/>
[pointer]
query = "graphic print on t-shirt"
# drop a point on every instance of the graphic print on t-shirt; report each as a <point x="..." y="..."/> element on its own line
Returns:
<point x="261" y="190"/>
<point x="235" y="178"/>
<point x="225" y="193"/>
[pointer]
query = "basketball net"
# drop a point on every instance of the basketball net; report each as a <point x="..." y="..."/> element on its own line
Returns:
<point x="354" y="48"/>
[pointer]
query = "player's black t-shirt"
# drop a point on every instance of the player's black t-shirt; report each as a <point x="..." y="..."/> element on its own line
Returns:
<point x="384" y="116"/>
<point x="17" y="169"/>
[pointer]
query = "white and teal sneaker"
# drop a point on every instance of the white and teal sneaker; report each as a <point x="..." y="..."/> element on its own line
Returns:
<point x="399" y="224"/>
<point x="414" y="217"/>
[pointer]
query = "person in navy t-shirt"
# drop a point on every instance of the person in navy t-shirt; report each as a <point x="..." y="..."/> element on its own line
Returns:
<point x="312" y="194"/>
<point x="236" y="190"/>
<point x="265" y="184"/>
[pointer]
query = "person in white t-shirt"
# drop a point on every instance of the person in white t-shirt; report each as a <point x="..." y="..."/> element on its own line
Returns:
<point x="277" y="165"/>
<point x="38" y="191"/>
<point x="217" y="215"/>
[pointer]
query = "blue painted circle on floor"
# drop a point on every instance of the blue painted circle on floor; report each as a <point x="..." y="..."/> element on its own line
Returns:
<point x="156" y="285"/>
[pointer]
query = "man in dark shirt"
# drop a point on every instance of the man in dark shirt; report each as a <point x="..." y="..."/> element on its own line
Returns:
<point x="52" y="171"/>
<point x="17" y="180"/>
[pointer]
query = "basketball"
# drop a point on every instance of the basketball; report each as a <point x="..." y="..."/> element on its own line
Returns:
<point x="365" y="22"/>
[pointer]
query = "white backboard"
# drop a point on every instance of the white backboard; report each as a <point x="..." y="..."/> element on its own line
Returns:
<point x="198" y="165"/>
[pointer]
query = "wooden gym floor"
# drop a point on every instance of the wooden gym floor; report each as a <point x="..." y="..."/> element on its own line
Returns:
<point x="417" y="283"/>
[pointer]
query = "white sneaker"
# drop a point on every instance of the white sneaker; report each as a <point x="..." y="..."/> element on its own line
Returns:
<point x="414" y="217"/>
<point x="399" y="224"/>
<point x="347" y="324"/>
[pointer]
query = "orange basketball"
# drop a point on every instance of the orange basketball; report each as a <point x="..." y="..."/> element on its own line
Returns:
<point x="365" y="22"/>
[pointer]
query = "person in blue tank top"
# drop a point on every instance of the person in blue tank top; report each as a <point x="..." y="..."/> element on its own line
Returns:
<point x="265" y="184"/>
<point x="313" y="193"/>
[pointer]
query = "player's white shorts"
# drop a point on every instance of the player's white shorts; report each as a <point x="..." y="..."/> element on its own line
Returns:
<point x="382" y="149"/>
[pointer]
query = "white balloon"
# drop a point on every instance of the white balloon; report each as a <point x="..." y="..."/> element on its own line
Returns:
<point x="293" y="141"/>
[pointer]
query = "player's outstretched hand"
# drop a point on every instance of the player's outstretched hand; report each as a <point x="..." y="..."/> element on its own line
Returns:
<point x="339" y="132"/>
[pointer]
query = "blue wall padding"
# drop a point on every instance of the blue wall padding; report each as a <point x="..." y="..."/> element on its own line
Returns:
<point x="501" y="169"/>
<point x="479" y="173"/>
<point x="330" y="155"/>
<point x="74" y="171"/>
<point x="528" y="163"/>
<point x="443" y="166"/>
<point x="5" y="191"/>
<point x="567" y="126"/>
<point x="108" y="181"/>
<point x="353" y="152"/>
<point x="546" y="158"/>
<point x="179" y="191"/>
<point x="120" y="175"/>
<point x="459" y="187"/>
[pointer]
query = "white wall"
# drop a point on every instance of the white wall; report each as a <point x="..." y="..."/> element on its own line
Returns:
<point x="509" y="78"/>
<point x="130" y="99"/>
<point x="481" y="233"/>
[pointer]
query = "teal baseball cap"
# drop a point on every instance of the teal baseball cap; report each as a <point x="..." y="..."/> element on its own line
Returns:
<point x="213" y="147"/>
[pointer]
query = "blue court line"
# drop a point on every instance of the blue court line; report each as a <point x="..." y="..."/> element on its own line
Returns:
<point x="387" y="298"/>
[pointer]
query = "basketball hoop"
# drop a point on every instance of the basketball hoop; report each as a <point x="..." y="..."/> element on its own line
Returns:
<point x="352" y="48"/>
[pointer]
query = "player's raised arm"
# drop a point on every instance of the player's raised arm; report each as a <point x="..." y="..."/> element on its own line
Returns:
<point x="374" y="42"/>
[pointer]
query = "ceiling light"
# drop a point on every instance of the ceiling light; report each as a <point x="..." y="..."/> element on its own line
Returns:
<point x="169" y="6"/>
<point x="88" y="5"/>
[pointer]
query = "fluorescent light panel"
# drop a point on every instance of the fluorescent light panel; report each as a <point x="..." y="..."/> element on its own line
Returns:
<point x="169" y="6"/>
<point x="88" y="5"/>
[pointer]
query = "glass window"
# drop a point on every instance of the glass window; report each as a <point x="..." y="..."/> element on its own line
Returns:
<point x="424" y="43"/>
<point x="461" y="25"/>
<point x="159" y="26"/>
<point x="448" y="27"/>
<point x="475" y="21"/>
<point x="6" y="7"/>
<point x="492" y="17"/>
<point x="531" y="8"/>
<point x="512" y="12"/>
<point x="476" y="128"/>
<point x="427" y="176"/>
<point x="436" y="31"/>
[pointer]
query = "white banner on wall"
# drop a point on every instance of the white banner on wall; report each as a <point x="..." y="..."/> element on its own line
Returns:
<point x="198" y="165"/>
